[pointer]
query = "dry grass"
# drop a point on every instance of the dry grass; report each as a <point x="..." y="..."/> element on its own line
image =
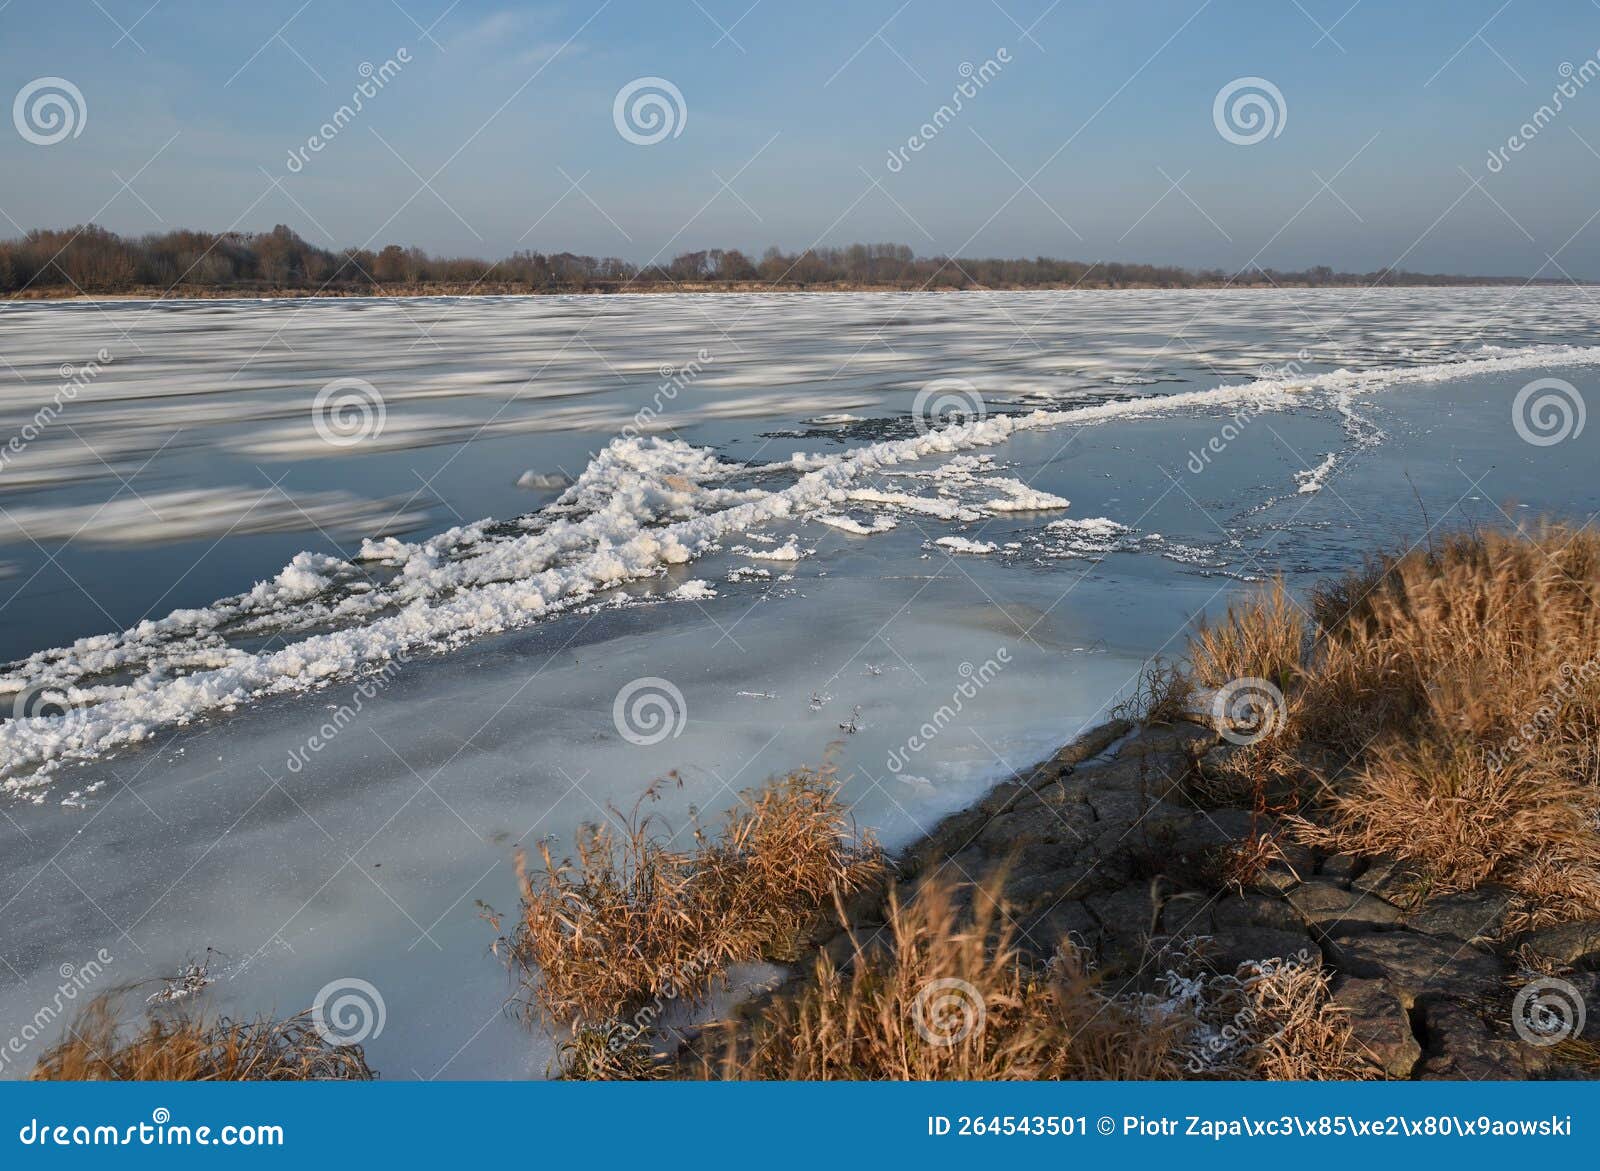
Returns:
<point x="1458" y="692"/>
<point x="947" y="996"/>
<point x="1163" y="694"/>
<point x="1270" y="1020"/>
<point x="608" y="1052"/>
<point x="633" y="919"/>
<point x="190" y="1049"/>
<point x="1261" y="638"/>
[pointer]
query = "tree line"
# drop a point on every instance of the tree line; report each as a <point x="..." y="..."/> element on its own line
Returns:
<point x="90" y="259"/>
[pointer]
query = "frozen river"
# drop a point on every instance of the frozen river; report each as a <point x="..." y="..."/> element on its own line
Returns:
<point x="301" y="676"/>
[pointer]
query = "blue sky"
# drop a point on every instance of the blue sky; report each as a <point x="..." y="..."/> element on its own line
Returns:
<point x="1106" y="110"/>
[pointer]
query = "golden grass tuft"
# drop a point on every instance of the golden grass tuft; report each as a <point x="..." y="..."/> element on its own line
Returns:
<point x="634" y="919"/>
<point x="1260" y="638"/>
<point x="1269" y="1020"/>
<point x="1457" y="691"/>
<point x="948" y="996"/>
<point x="191" y="1049"/>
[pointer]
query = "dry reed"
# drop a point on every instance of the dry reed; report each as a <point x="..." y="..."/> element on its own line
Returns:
<point x="633" y="919"/>
<point x="183" y="1048"/>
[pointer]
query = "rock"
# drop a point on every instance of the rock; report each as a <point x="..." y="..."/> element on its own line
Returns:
<point x="1092" y="743"/>
<point x="1132" y="913"/>
<point x="1235" y="825"/>
<point x="1573" y="945"/>
<point x="1247" y="944"/>
<point x="1256" y="927"/>
<point x="1390" y="879"/>
<point x="1379" y="1025"/>
<point x="1330" y="908"/>
<point x="1461" y="1046"/>
<point x="1042" y="933"/>
<point x="1182" y="836"/>
<point x="1145" y="778"/>
<point x="1119" y="804"/>
<point x="1588" y="986"/>
<point x="1183" y="739"/>
<point x="1474" y="915"/>
<point x="1002" y="796"/>
<point x="1037" y="824"/>
<point x="1416" y="965"/>
<point x="1253" y="910"/>
<point x="1284" y="873"/>
<point x="1340" y="867"/>
<point x="1035" y="881"/>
